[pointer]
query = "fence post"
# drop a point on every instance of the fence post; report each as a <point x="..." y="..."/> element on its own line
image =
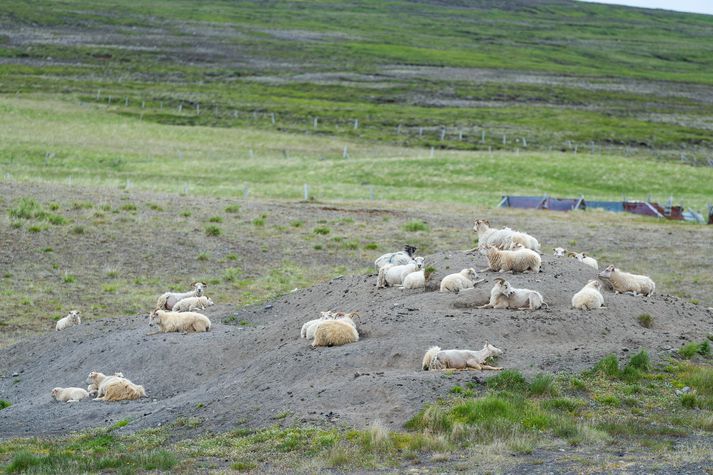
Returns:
<point x="443" y="133"/>
<point x="482" y="136"/>
<point x="272" y="116"/>
<point x="345" y="152"/>
<point x="432" y="151"/>
<point x="356" y="124"/>
<point x="314" y="122"/>
<point x="246" y="191"/>
<point x="306" y="191"/>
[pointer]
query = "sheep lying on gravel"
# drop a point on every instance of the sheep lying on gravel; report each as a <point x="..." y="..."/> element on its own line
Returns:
<point x="391" y="275"/>
<point x="516" y="260"/>
<point x="559" y="251"/>
<point x="501" y="238"/>
<point x="465" y="279"/>
<point x="70" y="320"/>
<point x="192" y="303"/>
<point x="93" y="388"/>
<point x="69" y="394"/>
<point x="396" y="258"/>
<point x="309" y="328"/>
<point x="435" y="358"/>
<point x="504" y="295"/>
<point x="590" y="297"/>
<point x="623" y="282"/>
<point x="115" y="388"/>
<point x="179" y="321"/>
<point x="417" y="279"/>
<point x="335" y="333"/>
<point x="585" y="259"/>
<point x="169" y="299"/>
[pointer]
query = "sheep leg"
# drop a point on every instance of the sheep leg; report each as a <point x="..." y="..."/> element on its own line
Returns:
<point x="472" y="364"/>
<point x="154" y="333"/>
<point x="492" y="368"/>
<point x="487" y="305"/>
<point x="478" y="282"/>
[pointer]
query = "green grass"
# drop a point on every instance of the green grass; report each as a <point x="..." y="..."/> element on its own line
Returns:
<point x="222" y="157"/>
<point x="4" y="404"/>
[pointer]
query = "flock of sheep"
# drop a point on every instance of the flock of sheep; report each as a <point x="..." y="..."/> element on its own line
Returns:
<point x="174" y="312"/>
<point x="505" y="249"/>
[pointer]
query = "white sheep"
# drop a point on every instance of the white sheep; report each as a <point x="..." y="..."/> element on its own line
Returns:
<point x="585" y="259"/>
<point x="559" y="251"/>
<point x="335" y="333"/>
<point x="465" y="279"/>
<point x="623" y="282"/>
<point x="517" y="260"/>
<point x="590" y="297"/>
<point x="192" y="303"/>
<point x="501" y="238"/>
<point x="435" y="358"/>
<point x="396" y="258"/>
<point x="93" y="387"/>
<point x="391" y="275"/>
<point x="114" y="388"/>
<point x="169" y="299"/>
<point x="70" y="320"/>
<point x="179" y="321"/>
<point x="309" y="328"/>
<point x="504" y="295"/>
<point x="69" y="394"/>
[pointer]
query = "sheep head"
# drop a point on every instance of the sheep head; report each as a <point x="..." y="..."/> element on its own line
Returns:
<point x="409" y="249"/>
<point x="74" y="316"/>
<point x="419" y="262"/>
<point x="199" y="287"/>
<point x="494" y="351"/>
<point x="55" y="392"/>
<point x="471" y="274"/>
<point x="559" y="251"/>
<point x="606" y="273"/>
<point x="594" y="283"/>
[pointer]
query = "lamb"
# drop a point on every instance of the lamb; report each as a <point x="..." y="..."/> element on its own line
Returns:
<point x="559" y="251"/>
<point x="192" y="303"/>
<point x="517" y="260"/>
<point x="169" y="299"/>
<point x="179" y="321"/>
<point x="70" y="320"/>
<point x="115" y="388"/>
<point x="504" y="295"/>
<point x="585" y="259"/>
<point x="527" y="241"/>
<point x="69" y="394"/>
<point x="463" y="280"/>
<point x="396" y="258"/>
<point x="93" y="388"/>
<point x="309" y="328"/>
<point x="590" y="297"/>
<point x="391" y="275"/>
<point x="435" y="358"/>
<point x="623" y="282"/>
<point x="335" y="333"/>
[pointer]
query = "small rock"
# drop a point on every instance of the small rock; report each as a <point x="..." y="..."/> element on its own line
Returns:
<point x="268" y="306"/>
<point x="15" y="374"/>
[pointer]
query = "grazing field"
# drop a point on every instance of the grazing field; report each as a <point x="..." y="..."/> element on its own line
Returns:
<point x="273" y="150"/>
<point x="56" y="141"/>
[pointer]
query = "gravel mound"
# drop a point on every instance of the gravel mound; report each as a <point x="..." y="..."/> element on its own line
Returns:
<point x="252" y="368"/>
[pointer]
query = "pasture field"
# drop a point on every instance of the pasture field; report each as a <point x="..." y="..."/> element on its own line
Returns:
<point x="146" y="145"/>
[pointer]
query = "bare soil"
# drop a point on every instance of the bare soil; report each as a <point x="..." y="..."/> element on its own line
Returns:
<point x="252" y="368"/>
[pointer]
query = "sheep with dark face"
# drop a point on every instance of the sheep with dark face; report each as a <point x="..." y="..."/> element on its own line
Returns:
<point x="396" y="258"/>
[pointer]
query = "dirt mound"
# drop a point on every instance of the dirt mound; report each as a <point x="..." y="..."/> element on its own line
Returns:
<point x="253" y="368"/>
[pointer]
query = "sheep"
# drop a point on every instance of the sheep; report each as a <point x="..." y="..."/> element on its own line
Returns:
<point x="69" y="394"/>
<point x="517" y="260"/>
<point x="115" y="388"/>
<point x="504" y="295"/>
<point x="559" y="251"/>
<point x="192" y="303"/>
<point x="334" y="333"/>
<point x="590" y="297"/>
<point x="465" y="279"/>
<point x="309" y="328"/>
<point x="623" y="282"/>
<point x="93" y="388"/>
<point x="396" y="258"/>
<point x="70" y="320"/>
<point x="501" y="238"/>
<point x="169" y="299"/>
<point x="179" y="321"/>
<point x="391" y="275"/>
<point x="435" y="358"/>
<point x="585" y="259"/>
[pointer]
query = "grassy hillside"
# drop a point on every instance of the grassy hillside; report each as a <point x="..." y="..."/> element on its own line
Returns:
<point x="458" y="75"/>
<point x="59" y="141"/>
